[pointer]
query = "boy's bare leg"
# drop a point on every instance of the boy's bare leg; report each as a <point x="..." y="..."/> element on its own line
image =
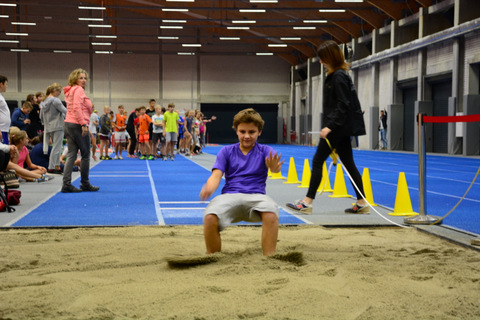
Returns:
<point x="269" y="233"/>
<point x="211" y="233"/>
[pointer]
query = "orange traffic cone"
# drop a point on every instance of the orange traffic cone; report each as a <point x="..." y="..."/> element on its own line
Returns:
<point x="292" y="173"/>
<point x="340" y="188"/>
<point x="403" y="204"/>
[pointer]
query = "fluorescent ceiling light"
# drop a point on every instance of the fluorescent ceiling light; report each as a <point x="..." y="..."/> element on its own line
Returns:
<point x="101" y="44"/>
<point x="304" y="28"/>
<point x="24" y="23"/>
<point x="171" y="27"/>
<point x="167" y="38"/>
<point x="20" y="50"/>
<point x="291" y="38"/>
<point x="331" y="10"/>
<point x="104" y="52"/>
<point x="186" y="53"/>
<point x="277" y="45"/>
<point x="9" y="41"/>
<point x="62" y="51"/>
<point x="244" y="21"/>
<point x="174" y="21"/>
<point x="8" y="4"/>
<point x="90" y="19"/>
<point x="229" y="38"/>
<point x="264" y="54"/>
<point x="263" y="1"/>
<point x="348" y="0"/>
<point x="99" y="25"/>
<point x="314" y="21"/>
<point x="4" y="16"/>
<point x="106" y="37"/>
<point x="180" y="0"/>
<point x="191" y="45"/>
<point x="253" y="10"/>
<point x="92" y="8"/>
<point x="175" y="10"/>
<point x="238" y="28"/>
<point x="16" y="34"/>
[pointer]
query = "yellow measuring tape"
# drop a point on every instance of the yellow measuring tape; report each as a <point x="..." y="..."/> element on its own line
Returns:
<point x="333" y="154"/>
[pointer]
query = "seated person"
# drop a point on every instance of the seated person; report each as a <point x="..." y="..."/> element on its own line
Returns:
<point x="20" y="116"/>
<point x="38" y="156"/>
<point x="63" y="158"/>
<point x="34" y="173"/>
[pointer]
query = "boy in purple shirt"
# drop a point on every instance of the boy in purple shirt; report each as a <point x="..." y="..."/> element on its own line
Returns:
<point x="243" y="197"/>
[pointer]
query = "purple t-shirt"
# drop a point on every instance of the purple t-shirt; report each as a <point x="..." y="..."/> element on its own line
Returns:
<point x="243" y="173"/>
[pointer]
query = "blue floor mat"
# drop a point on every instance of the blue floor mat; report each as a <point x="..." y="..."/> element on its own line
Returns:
<point x="133" y="192"/>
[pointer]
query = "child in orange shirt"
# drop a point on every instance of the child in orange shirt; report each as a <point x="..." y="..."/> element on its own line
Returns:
<point x="119" y="132"/>
<point x="141" y="125"/>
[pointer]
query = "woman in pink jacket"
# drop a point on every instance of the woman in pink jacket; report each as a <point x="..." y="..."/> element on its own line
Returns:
<point x="79" y="108"/>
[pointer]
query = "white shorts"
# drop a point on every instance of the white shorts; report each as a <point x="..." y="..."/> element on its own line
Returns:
<point x="235" y="207"/>
<point x="120" y="136"/>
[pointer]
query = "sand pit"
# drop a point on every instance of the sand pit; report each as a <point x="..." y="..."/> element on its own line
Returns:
<point x="122" y="273"/>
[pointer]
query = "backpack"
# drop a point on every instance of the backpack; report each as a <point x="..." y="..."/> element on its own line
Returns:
<point x="4" y="205"/>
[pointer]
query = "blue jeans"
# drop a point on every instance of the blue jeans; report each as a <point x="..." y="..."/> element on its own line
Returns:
<point x="75" y="142"/>
<point x="383" y="136"/>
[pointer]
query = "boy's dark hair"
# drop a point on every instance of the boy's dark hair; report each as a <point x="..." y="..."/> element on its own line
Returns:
<point x="248" y="116"/>
<point x="27" y="105"/>
<point x="3" y="79"/>
<point x="164" y="110"/>
<point x="151" y="100"/>
<point x="142" y="107"/>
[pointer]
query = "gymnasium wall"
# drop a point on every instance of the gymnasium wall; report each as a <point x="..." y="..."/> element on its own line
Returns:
<point x="133" y="79"/>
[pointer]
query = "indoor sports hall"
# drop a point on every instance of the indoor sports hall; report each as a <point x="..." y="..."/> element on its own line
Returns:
<point x="136" y="248"/>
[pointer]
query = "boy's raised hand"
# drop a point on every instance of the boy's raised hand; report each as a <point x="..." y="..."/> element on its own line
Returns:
<point x="273" y="162"/>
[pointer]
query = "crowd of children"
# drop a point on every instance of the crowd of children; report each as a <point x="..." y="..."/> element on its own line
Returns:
<point x="147" y="133"/>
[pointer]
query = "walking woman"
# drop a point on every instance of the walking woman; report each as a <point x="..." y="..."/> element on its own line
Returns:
<point x="52" y="115"/>
<point x="79" y="108"/>
<point x="342" y="118"/>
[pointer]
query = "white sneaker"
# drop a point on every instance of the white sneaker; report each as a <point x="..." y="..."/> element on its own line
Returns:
<point x="116" y="158"/>
<point x="120" y="157"/>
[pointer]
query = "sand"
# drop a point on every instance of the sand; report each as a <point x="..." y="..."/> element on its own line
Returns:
<point x="122" y="273"/>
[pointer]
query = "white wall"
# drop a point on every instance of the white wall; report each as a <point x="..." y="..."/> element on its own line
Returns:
<point x="385" y="86"/>
<point x="472" y="55"/>
<point x="132" y="79"/>
<point x="408" y="66"/>
<point x="440" y="58"/>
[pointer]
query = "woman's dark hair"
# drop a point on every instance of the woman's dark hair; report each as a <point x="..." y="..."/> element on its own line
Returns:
<point x="330" y="53"/>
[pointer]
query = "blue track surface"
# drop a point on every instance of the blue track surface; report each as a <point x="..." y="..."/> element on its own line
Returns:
<point x="133" y="192"/>
<point x="447" y="180"/>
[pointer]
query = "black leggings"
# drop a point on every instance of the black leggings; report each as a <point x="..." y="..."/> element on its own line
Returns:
<point x="344" y="149"/>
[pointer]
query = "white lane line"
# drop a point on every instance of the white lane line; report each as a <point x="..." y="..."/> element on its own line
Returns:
<point x="187" y="208"/>
<point x="183" y="202"/>
<point x="158" y="211"/>
<point x="118" y="176"/>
